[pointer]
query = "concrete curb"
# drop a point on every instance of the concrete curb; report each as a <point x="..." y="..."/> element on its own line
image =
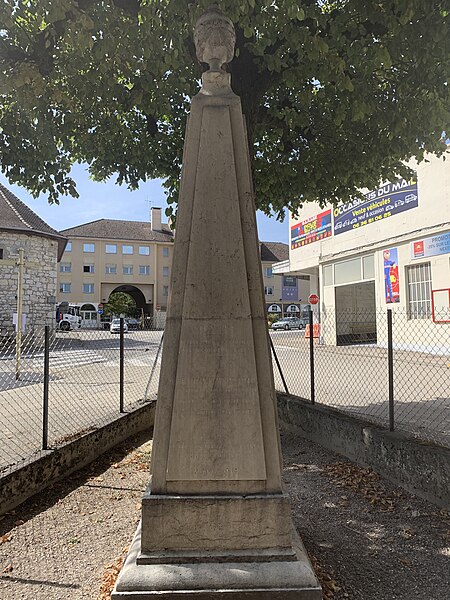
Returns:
<point x="422" y="468"/>
<point x="18" y="486"/>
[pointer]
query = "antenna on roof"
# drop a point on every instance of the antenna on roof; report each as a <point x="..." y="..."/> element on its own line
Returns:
<point x="149" y="208"/>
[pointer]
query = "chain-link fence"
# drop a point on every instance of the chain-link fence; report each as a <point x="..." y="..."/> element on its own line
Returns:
<point x="385" y="366"/>
<point x="394" y="372"/>
<point x="59" y="385"/>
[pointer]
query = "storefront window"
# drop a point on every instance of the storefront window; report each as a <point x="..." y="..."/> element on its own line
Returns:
<point x="328" y="275"/>
<point x="347" y="271"/>
<point x="368" y="267"/>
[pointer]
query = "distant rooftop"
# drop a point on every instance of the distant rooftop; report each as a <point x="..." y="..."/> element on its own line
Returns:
<point x="113" y="229"/>
<point x="16" y="216"/>
<point x="274" y="251"/>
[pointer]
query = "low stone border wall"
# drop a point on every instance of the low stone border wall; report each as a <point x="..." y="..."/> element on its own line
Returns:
<point x="17" y="486"/>
<point x="420" y="467"/>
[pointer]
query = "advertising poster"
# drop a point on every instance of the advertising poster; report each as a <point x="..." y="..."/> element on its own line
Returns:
<point x="311" y="230"/>
<point x="391" y="283"/>
<point x="289" y="288"/>
<point x="388" y="200"/>
<point x="432" y="246"/>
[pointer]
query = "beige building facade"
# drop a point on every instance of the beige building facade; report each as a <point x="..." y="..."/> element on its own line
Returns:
<point x="390" y="249"/>
<point x="107" y="256"/>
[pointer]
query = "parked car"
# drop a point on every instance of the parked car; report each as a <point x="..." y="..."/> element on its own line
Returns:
<point x="133" y="323"/>
<point x="289" y="323"/>
<point x="115" y="326"/>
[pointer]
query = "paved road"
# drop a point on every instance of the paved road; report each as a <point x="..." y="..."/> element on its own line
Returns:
<point x="355" y="379"/>
<point x="83" y="389"/>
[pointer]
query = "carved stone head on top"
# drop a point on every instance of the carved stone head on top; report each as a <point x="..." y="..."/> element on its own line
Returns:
<point x="214" y="38"/>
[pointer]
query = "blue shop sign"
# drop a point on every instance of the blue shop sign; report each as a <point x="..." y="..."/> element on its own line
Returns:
<point x="388" y="200"/>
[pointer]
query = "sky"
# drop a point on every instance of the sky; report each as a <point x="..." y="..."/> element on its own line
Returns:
<point x="111" y="201"/>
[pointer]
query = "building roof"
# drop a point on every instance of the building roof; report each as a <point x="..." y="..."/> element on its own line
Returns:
<point x="274" y="251"/>
<point x="16" y="216"/>
<point x="112" y="229"/>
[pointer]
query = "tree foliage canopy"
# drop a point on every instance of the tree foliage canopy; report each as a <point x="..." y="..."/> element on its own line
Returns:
<point x="120" y="303"/>
<point x="336" y="93"/>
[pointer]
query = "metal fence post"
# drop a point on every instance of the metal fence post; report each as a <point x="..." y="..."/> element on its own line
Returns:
<point x="311" y="356"/>
<point x="46" y="387"/>
<point x="390" y="370"/>
<point x="278" y="364"/>
<point x="121" y="384"/>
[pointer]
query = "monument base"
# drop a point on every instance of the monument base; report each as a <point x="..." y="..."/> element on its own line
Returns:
<point x="214" y="524"/>
<point x="210" y="580"/>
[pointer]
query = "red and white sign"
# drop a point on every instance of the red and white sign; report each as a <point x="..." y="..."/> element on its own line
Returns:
<point x="313" y="299"/>
<point x="100" y="305"/>
<point x="158" y="307"/>
<point x="419" y="249"/>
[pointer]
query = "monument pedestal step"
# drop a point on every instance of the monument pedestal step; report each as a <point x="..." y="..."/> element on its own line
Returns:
<point x="233" y="580"/>
<point x="219" y="523"/>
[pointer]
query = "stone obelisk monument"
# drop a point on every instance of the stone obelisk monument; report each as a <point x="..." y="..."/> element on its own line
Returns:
<point x="215" y="520"/>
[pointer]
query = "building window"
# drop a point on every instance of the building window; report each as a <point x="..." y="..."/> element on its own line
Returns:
<point x="88" y="288"/>
<point x="110" y="269"/>
<point x="328" y="275"/>
<point x="166" y="252"/>
<point x="1" y="253"/>
<point x="165" y="271"/>
<point x="68" y="247"/>
<point x="127" y="249"/>
<point x="268" y="272"/>
<point x="144" y="270"/>
<point x="268" y="290"/>
<point x="111" y="249"/>
<point x="347" y="271"/>
<point x="88" y="268"/>
<point x="65" y="267"/>
<point x="368" y="267"/>
<point x="165" y="290"/>
<point x="144" y="250"/>
<point x="88" y="247"/>
<point x="64" y="288"/>
<point x="128" y="269"/>
<point x="419" y="291"/>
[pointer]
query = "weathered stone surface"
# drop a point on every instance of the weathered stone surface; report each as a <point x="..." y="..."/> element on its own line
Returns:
<point x="215" y="521"/>
<point x="274" y="580"/>
<point x="39" y="281"/>
<point x="214" y="38"/>
<point x="216" y="427"/>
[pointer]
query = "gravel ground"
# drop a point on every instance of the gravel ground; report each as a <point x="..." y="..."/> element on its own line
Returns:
<point x="367" y="539"/>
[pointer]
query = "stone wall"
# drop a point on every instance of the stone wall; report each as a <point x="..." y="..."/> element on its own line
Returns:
<point x="56" y="464"/>
<point x="39" y="280"/>
<point x="421" y="468"/>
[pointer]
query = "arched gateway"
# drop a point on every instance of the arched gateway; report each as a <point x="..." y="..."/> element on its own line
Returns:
<point x="143" y="304"/>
